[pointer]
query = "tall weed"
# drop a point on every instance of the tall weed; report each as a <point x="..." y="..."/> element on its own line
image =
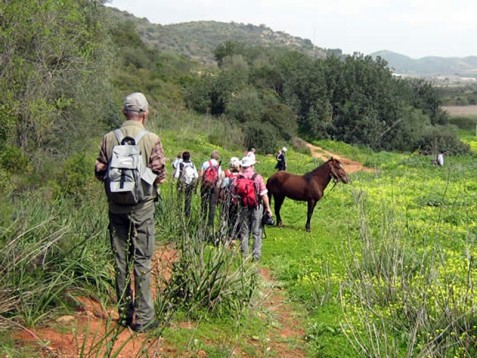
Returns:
<point x="46" y="256"/>
<point x="403" y="300"/>
<point x="209" y="274"/>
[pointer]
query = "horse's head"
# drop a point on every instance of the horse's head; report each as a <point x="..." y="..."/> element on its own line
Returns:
<point x="337" y="172"/>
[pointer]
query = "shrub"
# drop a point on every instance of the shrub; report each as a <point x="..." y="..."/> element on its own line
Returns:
<point x="13" y="160"/>
<point x="262" y="136"/>
<point x="442" y="139"/>
<point x="6" y="185"/>
<point x="464" y="122"/>
<point x="77" y="179"/>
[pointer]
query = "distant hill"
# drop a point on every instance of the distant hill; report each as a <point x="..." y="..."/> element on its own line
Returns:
<point x="199" y="39"/>
<point x="430" y="66"/>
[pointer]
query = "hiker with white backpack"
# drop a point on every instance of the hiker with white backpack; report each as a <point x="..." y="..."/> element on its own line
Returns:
<point x="186" y="175"/>
<point x="131" y="163"/>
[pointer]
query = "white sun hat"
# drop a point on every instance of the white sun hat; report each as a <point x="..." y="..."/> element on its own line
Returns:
<point x="234" y="162"/>
<point x="247" y="161"/>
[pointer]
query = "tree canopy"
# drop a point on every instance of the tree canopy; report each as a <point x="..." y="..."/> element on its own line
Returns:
<point x="355" y="99"/>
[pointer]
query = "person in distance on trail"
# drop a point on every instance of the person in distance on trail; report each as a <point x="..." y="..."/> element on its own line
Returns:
<point x="440" y="158"/>
<point x="186" y="175"/>
<point x="251" y="153"/>
<point x="250" y="217"/>
<point x="281" y="160"/>
<point x="210" y="178"/>
<point x="131" y="226"/>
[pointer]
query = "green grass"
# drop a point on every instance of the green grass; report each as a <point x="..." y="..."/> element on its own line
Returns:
<point x="428" y="213"/>
<point x="389" y="245"/>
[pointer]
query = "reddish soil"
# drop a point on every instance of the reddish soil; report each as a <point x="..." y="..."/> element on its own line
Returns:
<point x="85" y="333"/>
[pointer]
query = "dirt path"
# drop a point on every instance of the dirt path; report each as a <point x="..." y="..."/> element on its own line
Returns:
<point x="286" y="334"/>
<point x="93" y="328"/>
<point x="350" y="166"/>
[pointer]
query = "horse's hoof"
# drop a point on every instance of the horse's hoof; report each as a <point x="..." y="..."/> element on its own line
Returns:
<point x="308" y="229"/>
<point x="280" y="224"/>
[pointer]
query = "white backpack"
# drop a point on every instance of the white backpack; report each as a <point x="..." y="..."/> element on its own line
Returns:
<point x="187" y="174"/>
<point x="128" y="180"/>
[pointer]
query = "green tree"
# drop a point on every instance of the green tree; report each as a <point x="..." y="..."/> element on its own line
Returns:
<point x="54" y="65"/>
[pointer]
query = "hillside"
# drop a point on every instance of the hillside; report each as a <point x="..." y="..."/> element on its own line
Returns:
<point x="199" y="39"/>
<point x="431" y="66"/>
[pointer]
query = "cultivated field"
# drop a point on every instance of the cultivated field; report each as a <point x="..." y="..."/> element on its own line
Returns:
<point x="461" y="110"/>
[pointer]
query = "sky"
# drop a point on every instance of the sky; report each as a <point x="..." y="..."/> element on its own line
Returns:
<point x="415" y="28"/>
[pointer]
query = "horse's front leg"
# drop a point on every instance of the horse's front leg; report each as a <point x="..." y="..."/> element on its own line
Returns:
<point x="311" y="207"/>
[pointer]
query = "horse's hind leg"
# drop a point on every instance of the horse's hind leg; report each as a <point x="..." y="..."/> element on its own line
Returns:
<point x="278" y="204"/>
<point x="311" y="208"/>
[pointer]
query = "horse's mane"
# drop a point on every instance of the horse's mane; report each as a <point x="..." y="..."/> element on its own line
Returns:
<point x="308" y="176"/>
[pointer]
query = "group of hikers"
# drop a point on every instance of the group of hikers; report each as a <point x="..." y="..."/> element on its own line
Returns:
<point x="132" y="164"/>
<point x="239" y="190"/>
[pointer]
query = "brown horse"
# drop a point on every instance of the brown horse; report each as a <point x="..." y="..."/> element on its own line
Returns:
<point x="308" y="187"/>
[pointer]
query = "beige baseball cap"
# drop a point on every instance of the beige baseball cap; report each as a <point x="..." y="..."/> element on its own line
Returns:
<point x="136" y="102"/>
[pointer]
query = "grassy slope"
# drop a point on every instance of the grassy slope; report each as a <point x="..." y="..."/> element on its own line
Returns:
<point x="433" y="204"/>
<point x="311" y="265"/>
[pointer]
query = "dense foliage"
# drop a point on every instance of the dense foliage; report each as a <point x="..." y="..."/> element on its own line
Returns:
<point x="65" y="66"/>
<point x="55" y="60"/>
<point x="354" y="99"/>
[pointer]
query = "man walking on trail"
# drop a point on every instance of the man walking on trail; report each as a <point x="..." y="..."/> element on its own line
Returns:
<point x="210" y="178"/>
<point x="281" y="160"/>
<point x="186" y="175"/>
<point x="131" y="221"/>
<point x="250" y="216"/>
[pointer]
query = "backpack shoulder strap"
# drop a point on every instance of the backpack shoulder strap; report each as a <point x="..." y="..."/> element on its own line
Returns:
<point x="119" y="135"/>
<point x="140" y="135"/>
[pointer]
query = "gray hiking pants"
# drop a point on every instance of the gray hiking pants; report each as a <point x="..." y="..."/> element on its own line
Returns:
<point x="251" y="222"/>
<point x="132" y="242"/>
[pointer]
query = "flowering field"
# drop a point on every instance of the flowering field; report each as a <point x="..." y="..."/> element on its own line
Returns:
<point x="389" y="267"/>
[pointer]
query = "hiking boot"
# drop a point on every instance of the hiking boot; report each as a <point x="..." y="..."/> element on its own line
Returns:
<point x="141" y="328"/>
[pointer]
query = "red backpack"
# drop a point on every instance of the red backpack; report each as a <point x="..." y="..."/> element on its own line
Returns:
<point x="211" y="175"/>
<point x="245" y="191"/>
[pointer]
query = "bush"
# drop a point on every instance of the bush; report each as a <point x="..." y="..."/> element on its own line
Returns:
<point x="442" y="139"/>
<point x="13" y="160"/>
<point x="6" y="185"/>
<point x="77" y="177"/>
<point x="464" y="122"/>
<point x="262" y="136"/>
